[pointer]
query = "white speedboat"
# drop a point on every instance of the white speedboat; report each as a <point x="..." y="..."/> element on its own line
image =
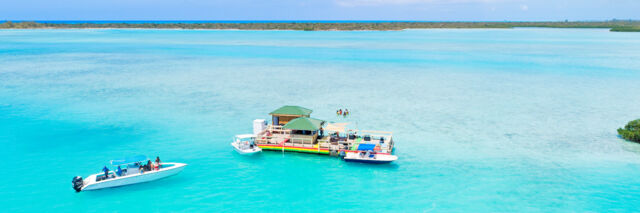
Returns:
<point x="127" y="176"/>
<point x="366" y="154"/>
<point x="245" y="144"/>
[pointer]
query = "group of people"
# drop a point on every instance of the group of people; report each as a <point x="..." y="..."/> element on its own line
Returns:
<point x="343" y="113"/>
<point x="150" y="166"/>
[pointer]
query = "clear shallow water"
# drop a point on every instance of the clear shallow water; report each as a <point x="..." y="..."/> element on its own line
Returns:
<point x="484" y="120"/>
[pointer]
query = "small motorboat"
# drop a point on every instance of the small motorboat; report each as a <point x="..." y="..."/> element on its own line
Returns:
<point x="366" y="154"/>
<point x="131" y="174"/>
<point x="245" y="144"/>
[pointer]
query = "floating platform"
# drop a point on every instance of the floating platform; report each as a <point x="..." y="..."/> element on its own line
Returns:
<point x="293" y="130"/>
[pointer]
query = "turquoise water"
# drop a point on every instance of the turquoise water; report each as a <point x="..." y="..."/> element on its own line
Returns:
<point x="484" y="120"/>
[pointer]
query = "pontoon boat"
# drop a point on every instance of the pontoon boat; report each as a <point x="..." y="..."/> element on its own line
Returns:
<point x="366" y="154"/>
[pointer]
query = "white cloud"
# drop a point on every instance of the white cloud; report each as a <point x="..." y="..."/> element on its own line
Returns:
<point x="353" y="3"/>
<point x="524" y="7"/>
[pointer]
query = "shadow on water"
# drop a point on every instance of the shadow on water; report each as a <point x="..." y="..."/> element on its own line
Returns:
<point x="390" y="166"/>
<point x="241" y="156"/>
<point x="293" y="154"/>
<point x="330" y="160"/>
<point x="630" y="146"/>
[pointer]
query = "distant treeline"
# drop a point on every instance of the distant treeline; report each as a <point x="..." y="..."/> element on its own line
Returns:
<point x="614" y="25"/>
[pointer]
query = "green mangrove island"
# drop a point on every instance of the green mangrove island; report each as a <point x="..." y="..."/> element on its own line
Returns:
<point x="631" y="131"/>
<point x="613" y="25"/>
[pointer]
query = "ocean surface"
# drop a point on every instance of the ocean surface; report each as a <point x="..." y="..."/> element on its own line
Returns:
<point x="484" y="120"/>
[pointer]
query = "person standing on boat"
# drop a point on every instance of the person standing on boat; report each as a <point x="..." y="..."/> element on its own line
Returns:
<point x="155" y="165"/>
<point x="106" y="172"/>
<point x="158" y="166"/>
<point x="119" y="171"/>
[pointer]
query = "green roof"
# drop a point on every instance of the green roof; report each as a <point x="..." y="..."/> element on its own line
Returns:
<point x="292" y="110"/>
<point x="304" y="123"/>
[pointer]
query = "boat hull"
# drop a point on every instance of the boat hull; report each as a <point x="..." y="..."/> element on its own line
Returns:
<point x="255" y="149"/>
<point x="379" y="158"/>
<point x="367" y="161"/>
<point x="135" y="178"/>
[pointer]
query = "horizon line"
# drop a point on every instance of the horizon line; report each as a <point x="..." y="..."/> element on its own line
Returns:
<point x="302" y="20"/>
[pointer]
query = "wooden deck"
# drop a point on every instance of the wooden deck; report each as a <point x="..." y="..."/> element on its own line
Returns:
<point x="278" y="139"/>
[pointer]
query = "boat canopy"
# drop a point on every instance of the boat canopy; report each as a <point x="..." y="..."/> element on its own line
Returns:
<point x="304" y="123"/>
<point x="245" y="136"/>
<point x="129" y="160"/>
<point x="366" y="147"/>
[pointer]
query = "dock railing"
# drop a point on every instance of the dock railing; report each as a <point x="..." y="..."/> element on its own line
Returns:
<point x="277" y="129"/>
<point x="275" y="135"/>
<point x="385" y="146"/>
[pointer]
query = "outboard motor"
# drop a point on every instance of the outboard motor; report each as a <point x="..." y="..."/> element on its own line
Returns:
<point x="77" y="183"/>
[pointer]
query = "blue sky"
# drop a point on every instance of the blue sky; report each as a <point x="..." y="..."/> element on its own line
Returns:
<point x="426" y="10"/>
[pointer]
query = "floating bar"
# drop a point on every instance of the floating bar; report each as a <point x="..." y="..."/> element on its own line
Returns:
<point x="292" y="129"/>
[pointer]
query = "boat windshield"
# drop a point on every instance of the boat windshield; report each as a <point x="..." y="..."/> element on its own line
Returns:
<point x="129" y="160"/>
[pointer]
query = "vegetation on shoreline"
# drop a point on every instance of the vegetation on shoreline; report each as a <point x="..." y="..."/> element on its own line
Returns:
<point x="631" y="131"/>
<point x="614" y="25"/>
<point x="626" y="29"/>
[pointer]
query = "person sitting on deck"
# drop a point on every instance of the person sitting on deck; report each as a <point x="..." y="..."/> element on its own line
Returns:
<point x="346" y="112"/>
<point x="340" y="112"/>
<point x="106" y="172"/>
<point x="141" y="169"/>
<point x="119" y="171"/>
<point x="149" y="165"/>
<point x="158" y="166"/>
